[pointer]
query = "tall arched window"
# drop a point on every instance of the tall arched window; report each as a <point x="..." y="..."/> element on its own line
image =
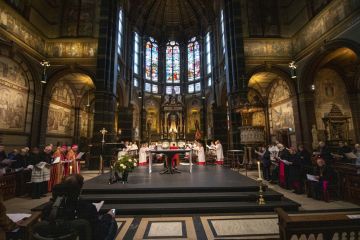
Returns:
<point x="136" y="63"/>
<point x="172" y="62"/>
<point x="120" y="31"/>
<point x="222" y="31"/>
<point x="208" y="58"/>
<point x="193" y="53"/>
<point x="151" y="65"/>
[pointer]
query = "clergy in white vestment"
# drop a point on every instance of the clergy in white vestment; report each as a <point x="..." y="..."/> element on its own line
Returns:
<point x="219" y="153"/>
<point x="201" y="153"/>
<point x="143" y="154"/>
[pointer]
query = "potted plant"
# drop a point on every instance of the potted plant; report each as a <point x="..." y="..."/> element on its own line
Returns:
<point x="124" y="165"/>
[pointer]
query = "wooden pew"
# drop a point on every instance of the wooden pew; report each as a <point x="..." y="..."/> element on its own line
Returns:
<point x="302" y="226"/>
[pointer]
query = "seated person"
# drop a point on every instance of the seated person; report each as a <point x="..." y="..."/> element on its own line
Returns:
<point x="175" y="159"/>
<point x="74" y="209"/>
<point x="6" y="224"/>
<point x="324" y="174"/>
<point x="343" y="148"/>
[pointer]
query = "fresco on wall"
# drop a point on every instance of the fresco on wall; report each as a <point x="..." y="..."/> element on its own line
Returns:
<point x="84" y="124"/>
<point x="71" y="49"/>
<point x="281" y="109"/>
<point x="267" y="47"/>
<point x="152" y="115"/>
<point x="13" y="95"/>
<point x="324" y="22"/>
<point x="61" y="114"/>
<point x="330" y="89"/>
<point x="20" y="30"/>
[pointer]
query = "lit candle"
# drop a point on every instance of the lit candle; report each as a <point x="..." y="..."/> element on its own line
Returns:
<point x="70" y="169"/>
<point x="259" y="169"/>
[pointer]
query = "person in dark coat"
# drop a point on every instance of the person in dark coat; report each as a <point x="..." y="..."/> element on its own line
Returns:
<point x="3" y="154"/>
<point x="343" y="148"/>
<point x="325" y="153"/>
<point x="102" y="227"/>
<point x="294" y="176"/>
<point x="325" y="175"/>
<point x="20" y="160"/>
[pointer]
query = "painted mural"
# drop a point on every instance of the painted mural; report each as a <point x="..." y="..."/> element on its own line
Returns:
<point x="330" y="89"/>
<point x="13" y="95"/>
<point x="322" y="23"/>
<point x="61" y="115"/>
<point x="258" y="119"/>
<point x="20" y="30"/>
<point x="74" y="49"/>
<point x="281" y="109"/>
<point x="267" y="47"/>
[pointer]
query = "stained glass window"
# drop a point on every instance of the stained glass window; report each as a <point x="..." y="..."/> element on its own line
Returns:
<point x="147" y="87"/>
<point x="172" y="62"/>
<point x="151" y="60"/>
<point x="136" y="82"/>
<point x="222" y="30"/>
<point x="120" y="31"/>
<point x="193" y="60"/>
<point x="208" y="53"/>
<point x="169" y="90"/>
<point x="191" y="88"/>
<point x="136" y="53"/>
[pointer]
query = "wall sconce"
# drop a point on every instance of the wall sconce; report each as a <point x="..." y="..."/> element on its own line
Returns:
<point x="292" y="67"/>
<point x="312" y="87"/>
<point x="45" y="64"/>
<point x="139" y="95"/>
<point x="119" y="131"/>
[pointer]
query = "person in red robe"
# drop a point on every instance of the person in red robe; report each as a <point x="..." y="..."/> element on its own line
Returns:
<point x="66" y="165"/>
<point x="176" y="159"/>
<point x="57" y="169"/>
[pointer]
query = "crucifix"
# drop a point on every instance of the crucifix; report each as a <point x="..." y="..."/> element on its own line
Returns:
<point x="101" y="167"/>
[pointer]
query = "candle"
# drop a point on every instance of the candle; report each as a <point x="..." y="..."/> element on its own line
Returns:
<point x="70" y="169"/>
<point x="259" y="169"/>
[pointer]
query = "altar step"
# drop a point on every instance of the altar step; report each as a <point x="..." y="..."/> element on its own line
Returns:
<point x="181" y="197"/>
<point x="198" y="207"/>
<point x="190" y="202"/>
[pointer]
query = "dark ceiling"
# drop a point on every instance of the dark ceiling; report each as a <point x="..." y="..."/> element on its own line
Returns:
<point x="172" y="19"/>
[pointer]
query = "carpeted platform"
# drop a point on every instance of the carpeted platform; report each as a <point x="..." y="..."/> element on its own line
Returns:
<point x="207" y="189"/>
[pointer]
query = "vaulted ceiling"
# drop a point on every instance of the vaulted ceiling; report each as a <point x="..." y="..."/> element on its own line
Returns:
<point x="172" y="19"/>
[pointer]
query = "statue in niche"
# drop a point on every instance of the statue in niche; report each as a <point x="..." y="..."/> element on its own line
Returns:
<point x="136" y="133"/>
<point x="315" y="140"/>
<point x="329" y="88"/>
<point x="166" y="99"/>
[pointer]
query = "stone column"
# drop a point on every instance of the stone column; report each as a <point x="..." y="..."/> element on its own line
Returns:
<point x="235" y="62"/>
<point x="354" y="100"/>
<point x="105" y="82"/>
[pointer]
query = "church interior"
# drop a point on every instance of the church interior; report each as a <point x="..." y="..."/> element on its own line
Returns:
<point x="250" y="108"/>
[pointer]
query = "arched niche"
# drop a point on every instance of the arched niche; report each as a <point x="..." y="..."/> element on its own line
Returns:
<point x="194" y="107"/>
<point x="281" y="113"/>
<point x="330" y="89"/>
<point x="61" y="114"/>
<point x="152" y="108"/>
<point x="16" y="98"/>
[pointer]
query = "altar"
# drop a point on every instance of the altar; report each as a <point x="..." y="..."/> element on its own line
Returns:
<point x="169" y="153"/>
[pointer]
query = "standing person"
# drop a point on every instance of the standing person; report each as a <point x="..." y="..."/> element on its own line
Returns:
<point x="325" y="153"/>
<point x="65" y="163"/>
<point x="46" y="156"/>
<point x="324" y="174"/>
<point x="219" y="153"/>
<point x="71" y="156"/>
<point x="36" y="173"/>
<point x="284" y="154"/>
<point x="294" y="177"/>
<point x="143" y="154"/>
<point x="56" y="170"/>
<point x="265" y="154"/>
<point x="201" y="153"/>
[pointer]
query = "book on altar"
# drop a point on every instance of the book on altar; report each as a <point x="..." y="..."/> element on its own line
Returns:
<point x="80" y="155"/>
<point x="98" y="205"/>
<point x="350" y="155"/>
<point x="56" y="160"/>
<point x="312" y="178"/>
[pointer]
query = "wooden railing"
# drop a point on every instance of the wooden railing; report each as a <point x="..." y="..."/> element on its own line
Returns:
<point x="318" y="226"/>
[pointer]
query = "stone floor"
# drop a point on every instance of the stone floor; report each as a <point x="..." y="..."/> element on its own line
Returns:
<point x="219" y="226"/>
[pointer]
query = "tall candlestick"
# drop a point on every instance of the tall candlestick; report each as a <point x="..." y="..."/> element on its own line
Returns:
<point x="259" y="169"/>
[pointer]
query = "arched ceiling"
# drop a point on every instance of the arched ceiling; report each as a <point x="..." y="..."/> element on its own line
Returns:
<point x="341" y="58"/>
<point x="171" y="19"/>
<point x="81" y="82"/>
<point x="261" y="81"/>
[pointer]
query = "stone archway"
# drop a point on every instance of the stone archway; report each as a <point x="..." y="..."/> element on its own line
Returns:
<point x="330" y="71"/>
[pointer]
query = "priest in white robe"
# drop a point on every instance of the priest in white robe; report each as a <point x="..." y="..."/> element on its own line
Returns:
<point x="219" y="153"/>
<point x="143" y="154"/>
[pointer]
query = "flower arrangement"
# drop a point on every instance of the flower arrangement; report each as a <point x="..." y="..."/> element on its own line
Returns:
<point x="125" y="164"/>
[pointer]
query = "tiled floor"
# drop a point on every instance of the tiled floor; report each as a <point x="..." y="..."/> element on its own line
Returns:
<point x="225" y="226"/>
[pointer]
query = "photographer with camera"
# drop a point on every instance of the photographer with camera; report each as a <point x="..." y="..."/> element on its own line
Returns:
<point x="68" y="215"/>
